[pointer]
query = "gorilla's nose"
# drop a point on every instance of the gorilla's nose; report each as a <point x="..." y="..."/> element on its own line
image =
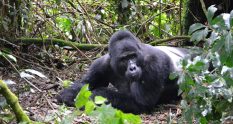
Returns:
<point x="132" y="68"/>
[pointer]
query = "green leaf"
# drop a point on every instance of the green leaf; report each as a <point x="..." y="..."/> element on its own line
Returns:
<point x="64" y="23"/>
<point x="129" y="118"/>
<point x="11" y="57"/>
<point x="199" y="35"/>
<point x="105" y="114"/>
<point x="66" y="83"/>
<point x="210" y="13"/>
<point x="228" y="42"/>
<point x="213" y="37"/>
<point x="82" y="97"/>
<point x="100" y="100"/>
<point x="226" y="18"/>
<point x="195" y="27"/>
<point x="231" y="18"/>
<point x="218" y="45"/>
<point x="173" y="75"/>
<point x="203" y="120"/>
<point x="89" y="107"/>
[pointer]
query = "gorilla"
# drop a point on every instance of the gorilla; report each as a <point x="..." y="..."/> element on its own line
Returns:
<point x="138" y="71"/>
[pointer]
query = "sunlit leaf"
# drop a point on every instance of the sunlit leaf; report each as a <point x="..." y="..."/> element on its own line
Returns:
<point x="66" y="83"/>
<point x="195" y="27"/>
<point x="35" y="73"/>
<point x="228" y="43"/>
<point x="226" y="18"/>
<point x="210" y="12"/>
<point x="213" y="37"/>
<point x="199" y="35"/>
<point x="124" y="3"/>
<point x="218" y="45"/>
<point x="11" y="57"/>
<point x="231" y="18"/>
<point x="128" y="118"/>
<point x="173" y="75"/>
<point x="89" y="107"/>
<point x="100" y="100"/>
<point x="82" y="97"/>
<point x="26" y="75"/>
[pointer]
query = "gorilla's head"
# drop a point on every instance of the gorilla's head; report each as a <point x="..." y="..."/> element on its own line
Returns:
<point x="125" y="55"/>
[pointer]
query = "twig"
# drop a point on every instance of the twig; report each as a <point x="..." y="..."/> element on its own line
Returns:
<point x="152" y="17"/>
<point x="19" y="74"/>
<point x="169" y="39"/>
<point x="89" y="19"/>
<point x="8" y="42"/>
<point x="180" y="14"/>
<point x="203" y="7"/>
<point x="32" y="63"/>
<point x="160" y="12"/>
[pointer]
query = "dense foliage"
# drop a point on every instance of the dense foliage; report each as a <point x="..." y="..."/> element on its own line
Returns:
<point x="90" y="21"/>
<point x="99" y="112"/>
<point x="207" y="80"/>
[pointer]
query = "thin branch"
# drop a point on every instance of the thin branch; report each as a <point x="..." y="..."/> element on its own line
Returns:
<point x="19" y="74"/>
<point x="203" y="7"/>
<point x="169" y="39"/>
<point x="8" y="42"/>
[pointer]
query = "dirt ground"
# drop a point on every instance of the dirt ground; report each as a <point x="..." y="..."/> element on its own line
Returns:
<point x="58" y="64"/>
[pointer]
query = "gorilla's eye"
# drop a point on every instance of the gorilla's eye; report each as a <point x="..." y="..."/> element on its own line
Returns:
<point x="132" y="56"/>
<point x="126" y="58"/>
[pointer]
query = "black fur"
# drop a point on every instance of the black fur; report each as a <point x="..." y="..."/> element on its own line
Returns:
<point x="134" y="94"/>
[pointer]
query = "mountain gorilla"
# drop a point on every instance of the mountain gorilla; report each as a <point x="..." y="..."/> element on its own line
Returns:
<point x="138" y="71"/>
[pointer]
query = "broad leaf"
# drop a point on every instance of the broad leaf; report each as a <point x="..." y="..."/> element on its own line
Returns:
<point x="35" y="73"/>
<point x="82" y="97"/>
<point x="210" y="13"/>
<point x="199" y="35"/>
<point x="100" y="100"/>
<point x="228" y="42"/>
<point x="11" y="57"/>
<point x="218" y="45"/>
<point x="89" y="107"/>
<point x="173" y="75"/>
<point x="231" y="18"/>
<point x="195" y="27"/>
<point x="128" y="118"/>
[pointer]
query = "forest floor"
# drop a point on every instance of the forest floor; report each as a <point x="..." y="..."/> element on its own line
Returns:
<point x="39" y="101"/>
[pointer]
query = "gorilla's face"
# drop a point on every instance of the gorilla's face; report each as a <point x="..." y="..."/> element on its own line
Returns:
<point x="126" y="60"/>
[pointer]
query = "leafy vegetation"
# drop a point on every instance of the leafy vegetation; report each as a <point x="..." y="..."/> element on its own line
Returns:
<point x="206" y="80"/>
<point x="104" y="114"/>
<point x="90" y="21"/>
<point x="97" y="109"/>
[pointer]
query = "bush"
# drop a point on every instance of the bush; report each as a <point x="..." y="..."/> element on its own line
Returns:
<point x="96" y="109"/>
<point x="206" y="81"/>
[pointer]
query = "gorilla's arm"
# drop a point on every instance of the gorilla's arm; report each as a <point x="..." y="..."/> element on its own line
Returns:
<point x="123" y="101"/>
<point x="98" y="76"/>
<point x="99" y="73"/>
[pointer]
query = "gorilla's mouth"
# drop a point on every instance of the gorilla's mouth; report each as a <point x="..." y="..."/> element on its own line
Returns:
<point x="133" y="77"/>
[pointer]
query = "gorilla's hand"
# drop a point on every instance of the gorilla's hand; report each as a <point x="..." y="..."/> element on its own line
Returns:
<point x="68" y="96"/>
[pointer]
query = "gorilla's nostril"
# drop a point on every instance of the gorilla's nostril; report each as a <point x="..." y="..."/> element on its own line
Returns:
<point x="132" y="68"/>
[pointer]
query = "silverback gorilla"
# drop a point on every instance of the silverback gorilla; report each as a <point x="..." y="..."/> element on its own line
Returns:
<point x="138" y="71"/>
